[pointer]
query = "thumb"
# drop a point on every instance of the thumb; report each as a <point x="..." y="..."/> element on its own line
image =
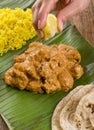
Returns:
<point x="70" y="10"/>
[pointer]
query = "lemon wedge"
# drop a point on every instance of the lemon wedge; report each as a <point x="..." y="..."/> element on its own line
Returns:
<point x="50" y="29"/>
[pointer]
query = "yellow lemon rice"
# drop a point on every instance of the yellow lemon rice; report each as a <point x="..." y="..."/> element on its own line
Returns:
<point x="15" y="28"/>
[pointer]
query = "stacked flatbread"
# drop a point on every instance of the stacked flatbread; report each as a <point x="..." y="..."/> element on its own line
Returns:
<point x="76" y="110"/>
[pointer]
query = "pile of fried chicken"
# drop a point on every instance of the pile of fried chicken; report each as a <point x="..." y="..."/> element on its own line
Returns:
<point x="45" y="69"/>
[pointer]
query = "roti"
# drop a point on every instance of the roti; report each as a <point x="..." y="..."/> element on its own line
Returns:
<point x="65" y="116"/>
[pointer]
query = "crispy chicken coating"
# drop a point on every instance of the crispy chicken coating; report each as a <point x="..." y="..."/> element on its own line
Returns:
<point x="45" y="69"/>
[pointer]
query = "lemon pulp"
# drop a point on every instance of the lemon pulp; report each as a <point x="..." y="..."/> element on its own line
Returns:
<point x="50" y="29"/>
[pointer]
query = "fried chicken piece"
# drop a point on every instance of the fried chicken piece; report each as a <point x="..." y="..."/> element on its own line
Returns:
<point x="66" y="80"/>
<point x="20" y="58"/>
<point x="70" y="52"/>
<point x="16" y="78"/>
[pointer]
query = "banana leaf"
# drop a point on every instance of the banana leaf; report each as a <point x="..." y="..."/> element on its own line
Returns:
<point x="24" y="110"/>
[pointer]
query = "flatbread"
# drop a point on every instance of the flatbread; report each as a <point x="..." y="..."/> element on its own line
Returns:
<point x="58" y="109"/>
<point x="85" y="111"/>
<point x="62" y="116"/>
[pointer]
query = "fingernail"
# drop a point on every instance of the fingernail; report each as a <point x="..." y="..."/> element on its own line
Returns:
<point x="40" y="34"/>
<point x="60" y="27"/>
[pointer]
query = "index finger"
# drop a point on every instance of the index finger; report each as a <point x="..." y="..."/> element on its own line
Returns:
<point x="45" y="9"/>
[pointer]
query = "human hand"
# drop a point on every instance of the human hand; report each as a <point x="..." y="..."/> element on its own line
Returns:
<point x="65" y="10"/>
